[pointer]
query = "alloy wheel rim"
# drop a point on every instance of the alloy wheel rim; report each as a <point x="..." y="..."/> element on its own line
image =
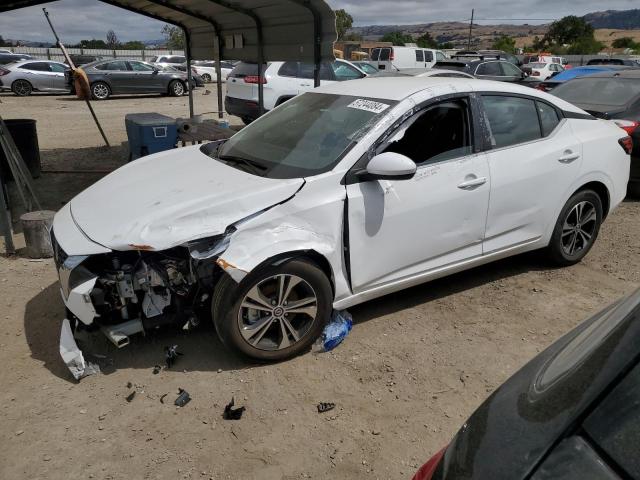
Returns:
<point x="22" y="87"/>
<point x="578" y="228"/>
<point x="178" y="89"/>
<point x="100" y="91"/>
<point x="277" y="312"/>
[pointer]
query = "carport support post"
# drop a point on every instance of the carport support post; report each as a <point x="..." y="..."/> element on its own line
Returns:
<point x="317" y="47"/>
<point x="218" y="42"/>
<point x="5" y="221"/>
<point x="187" y="40"/>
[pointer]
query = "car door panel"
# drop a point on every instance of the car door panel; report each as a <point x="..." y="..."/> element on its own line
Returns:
<point x="528" y="183"/>
<point x="402" y="228"/>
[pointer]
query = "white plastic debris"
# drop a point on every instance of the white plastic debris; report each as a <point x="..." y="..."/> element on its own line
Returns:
<point x="72" y="355"/>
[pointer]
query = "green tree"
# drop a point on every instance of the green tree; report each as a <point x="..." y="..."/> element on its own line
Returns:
<point x="4" y="43"/>
<point x="585" y="46"/>
<point x="344" y="21"/>
<point x="174" y="36"/>
<point x="397" y="38"/>
<point x="504" y="43"/>
<point x="568" y="30"/>
<point x="426" y="41"/>
<point x="625" y="42"/>
<point x="92" y="44"/>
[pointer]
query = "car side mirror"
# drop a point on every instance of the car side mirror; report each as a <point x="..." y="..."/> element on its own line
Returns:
<point x="156" y="70"/>
<point x="389" y="166"/>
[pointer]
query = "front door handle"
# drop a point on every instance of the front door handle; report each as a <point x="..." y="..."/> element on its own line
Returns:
<point x="473" y="183"/>
<point x="569" y="157"/>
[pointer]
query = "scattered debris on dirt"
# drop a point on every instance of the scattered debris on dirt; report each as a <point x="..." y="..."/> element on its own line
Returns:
<point x="325" y="407"/>
<point x="183" y="398"/>
<point x="162" y="398"/>
<point x="157" y="369"/>
<point x="231" y="413"/>
<point x="131" y="396"/>
<point x="171" y="354"/>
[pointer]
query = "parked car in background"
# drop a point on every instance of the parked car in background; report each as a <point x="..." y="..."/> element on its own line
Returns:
<point x="576" y="72"/>
<point x="426" y="72"/>
<point x="282" y="81"/>
<point x="488" y="69"/>
<point x="366" y="66"/>
<point x="486" y="54"/>
<point x="114" y="77"/>
<point x="80" y="60"/>
<point x="544" y="58"/>
<point x="207" y="70"/>
<point x="196" y="79"/>
<point x="612" y="96"/>
<point x="571" y="413"/>
<point x="541" y="70"/>
<point x="276" y="227"/>
<point x="614" y="61"/>
<point x="397" y="58"/>
<point x="166" y="60"/>
<point x="4" y="51"/>
<point x="6" y="58"/>
<point x="28" y="76"/>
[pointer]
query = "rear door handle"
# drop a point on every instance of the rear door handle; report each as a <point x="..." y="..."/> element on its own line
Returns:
<point x="470" y="184"/>
<point x="569" y="157"/>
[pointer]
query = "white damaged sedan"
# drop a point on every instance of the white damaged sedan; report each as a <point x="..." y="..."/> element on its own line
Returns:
<point x="336" y="197"/>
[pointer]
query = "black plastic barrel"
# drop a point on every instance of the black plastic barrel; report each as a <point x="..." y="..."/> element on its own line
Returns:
<point x="25" y="136"/>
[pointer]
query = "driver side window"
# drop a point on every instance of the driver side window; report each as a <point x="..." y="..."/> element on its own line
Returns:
<point x="440" y="132"/>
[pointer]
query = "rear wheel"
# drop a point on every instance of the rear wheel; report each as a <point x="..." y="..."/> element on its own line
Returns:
<point x="22" y="88"/>
<point x="274" y="313"/>
<point x="100" y="91"/>
<point x="576" y="229"/>
<point x="176" y="88"/>
<point x="206" y="78"/>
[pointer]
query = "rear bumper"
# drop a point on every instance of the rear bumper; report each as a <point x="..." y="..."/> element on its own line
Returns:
<point x="241" y="108"/>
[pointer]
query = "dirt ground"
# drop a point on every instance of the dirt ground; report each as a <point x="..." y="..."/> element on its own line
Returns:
<point x="416" y="364"/>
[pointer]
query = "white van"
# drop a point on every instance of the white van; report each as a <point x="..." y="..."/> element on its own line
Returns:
<point x="399" y="58"/>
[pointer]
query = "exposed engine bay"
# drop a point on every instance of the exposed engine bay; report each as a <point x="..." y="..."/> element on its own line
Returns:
<point x="139" y="290"/>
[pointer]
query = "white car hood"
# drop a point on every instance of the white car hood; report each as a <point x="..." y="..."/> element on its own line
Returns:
<point x="169" y="198"/>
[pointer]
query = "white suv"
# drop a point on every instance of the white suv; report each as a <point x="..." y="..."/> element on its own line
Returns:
<point x="282" y="81"/>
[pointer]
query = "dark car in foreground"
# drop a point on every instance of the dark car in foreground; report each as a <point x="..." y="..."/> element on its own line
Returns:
<point x="485" y="68"/>
<point x="611" y="96"/>
<point x="571" y="413"/>
<point x="114" y="77"/>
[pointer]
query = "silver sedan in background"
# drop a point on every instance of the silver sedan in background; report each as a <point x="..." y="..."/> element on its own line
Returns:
<point x="27" y="76"/>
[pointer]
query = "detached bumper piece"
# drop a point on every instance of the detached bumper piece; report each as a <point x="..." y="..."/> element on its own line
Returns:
<point x="72" y="355"/>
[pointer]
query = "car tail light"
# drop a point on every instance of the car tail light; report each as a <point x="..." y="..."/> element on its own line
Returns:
<point x="628" y="126"/>
<point x="541" y="87"/>
<point x="255" y="79"/>
<point x="428" y="469"/>
<point x="627" y="144"/>
<point x="4" y="71"/>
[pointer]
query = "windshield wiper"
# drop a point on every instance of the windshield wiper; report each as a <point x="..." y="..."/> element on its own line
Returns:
<point x="254" y="167"/>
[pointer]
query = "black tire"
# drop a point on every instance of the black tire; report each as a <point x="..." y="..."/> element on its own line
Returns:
<point x="22" y="88"/>
<point x="281" y="100"/>
<point x="633" y="190"/>
<point x="227" y="315"/>
<point x="176" y="88"/>
<point x="247" y="120"/>
<point x="206" y="78"/>
<point x="569" y="243"/>
<point x="100" y="91"/>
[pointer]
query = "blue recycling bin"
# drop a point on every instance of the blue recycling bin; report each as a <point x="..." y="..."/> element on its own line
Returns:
<point x="150" y="133"/>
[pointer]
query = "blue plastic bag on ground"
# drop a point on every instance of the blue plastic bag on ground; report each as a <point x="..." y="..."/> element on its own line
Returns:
<point x="335" y="332"/>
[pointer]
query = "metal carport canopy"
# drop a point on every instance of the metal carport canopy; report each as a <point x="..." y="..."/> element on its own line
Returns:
<point x="248" y="30"/>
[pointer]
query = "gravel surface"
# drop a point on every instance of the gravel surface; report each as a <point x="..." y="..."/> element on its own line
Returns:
<point x="416" y="364"/>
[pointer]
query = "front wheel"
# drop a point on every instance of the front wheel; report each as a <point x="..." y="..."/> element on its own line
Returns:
<point x="275" y="313"/>
<point x="176" y="88"/>
<point x="206" y="78"/>
<point x="576" y="229"/>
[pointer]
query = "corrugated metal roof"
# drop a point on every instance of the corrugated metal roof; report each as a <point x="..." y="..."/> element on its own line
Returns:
<point x="286" y="29"/>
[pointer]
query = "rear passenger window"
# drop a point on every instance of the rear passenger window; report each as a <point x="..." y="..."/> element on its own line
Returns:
<point x="385" y="54"/>
<point x="511" y="120"/>
<point x="490" y="69"/>
<point x="289" y="69"/>
<point x="419" y="56"/>
<point x="549" y="119"/>
<point x="428" y="56"/>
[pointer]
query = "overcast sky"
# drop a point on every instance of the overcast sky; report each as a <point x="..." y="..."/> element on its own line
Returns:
<point x="85" y="19"/>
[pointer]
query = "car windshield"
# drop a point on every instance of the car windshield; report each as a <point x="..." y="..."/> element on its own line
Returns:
<point x="306" y="136"/>
<point x="367" y="68"/>
<point x="600" y="91"/>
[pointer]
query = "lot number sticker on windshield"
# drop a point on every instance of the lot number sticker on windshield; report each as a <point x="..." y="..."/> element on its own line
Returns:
<point x="368" y="105"/>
